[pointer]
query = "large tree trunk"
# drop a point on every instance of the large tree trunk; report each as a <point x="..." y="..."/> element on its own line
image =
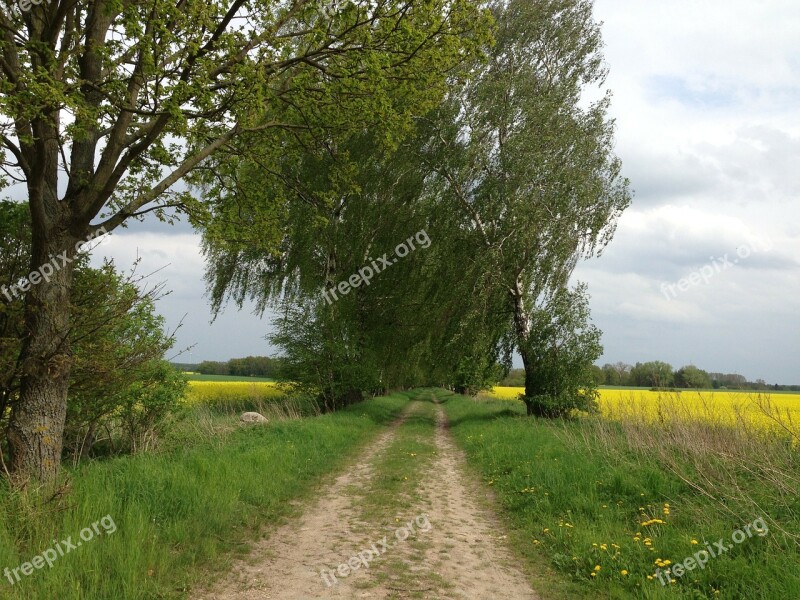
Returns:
<point x="523" y="333"/>
<point x="531" y="388"/>
<point x="36" y="428"/>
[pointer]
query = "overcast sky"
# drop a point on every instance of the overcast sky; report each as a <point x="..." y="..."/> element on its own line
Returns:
<point x="707" y="106"/>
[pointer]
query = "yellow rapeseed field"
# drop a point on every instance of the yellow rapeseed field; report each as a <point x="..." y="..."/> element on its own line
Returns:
<point x="775" y="412"/>
<point x="201" y="392"/>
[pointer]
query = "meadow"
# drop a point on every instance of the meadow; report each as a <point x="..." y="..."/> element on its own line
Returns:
<point x="601" y="507"/>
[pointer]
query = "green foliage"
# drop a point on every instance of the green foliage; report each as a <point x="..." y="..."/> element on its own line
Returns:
<point x="514" y="378"/>
<point x="511" y="175"/>
<point x="323" y="358"/>
<point x="653" y="374"/>
<point x="561" y="351"/>
<point x="250" y="366"/>
<point x="126" y="100"/>
<point x="692" y="377"/>
<point x="146" y="404"/>
<point x="117" y="341"/>
<point x="618" y="374"/>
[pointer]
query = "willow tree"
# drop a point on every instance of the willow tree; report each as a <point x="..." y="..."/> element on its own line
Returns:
<point x="108" y="106"/>
<point x="528" y="161"/>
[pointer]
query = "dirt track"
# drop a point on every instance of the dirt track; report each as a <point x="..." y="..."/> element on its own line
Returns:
<point x="454" y="547"/>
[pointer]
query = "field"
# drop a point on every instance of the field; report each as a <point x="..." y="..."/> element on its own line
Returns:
<point x="200" y="392"/>
<point x="225" y="378"/>
<point x="776" y="413"/>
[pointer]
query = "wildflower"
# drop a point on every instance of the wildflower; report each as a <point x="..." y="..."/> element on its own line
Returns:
<point x="597" y="567"/>
<point x="623" y="572"/>
<point x="694" y="542"/>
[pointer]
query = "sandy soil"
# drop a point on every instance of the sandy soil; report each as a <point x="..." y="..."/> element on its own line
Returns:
<point x="456" y="553"/>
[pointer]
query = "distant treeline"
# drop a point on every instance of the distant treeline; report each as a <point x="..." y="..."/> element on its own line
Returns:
<point x="658" y="374"/>
<point x="250" y="366"/>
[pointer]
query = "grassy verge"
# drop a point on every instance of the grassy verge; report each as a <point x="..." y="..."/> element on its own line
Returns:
<point x="610" y="505"/>
<point x="176" y="513"/>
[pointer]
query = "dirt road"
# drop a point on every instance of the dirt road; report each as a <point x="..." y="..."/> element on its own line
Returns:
<point x="437" y="538"/>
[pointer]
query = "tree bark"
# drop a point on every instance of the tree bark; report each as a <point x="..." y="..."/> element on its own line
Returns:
<point x="523" y="334"/>
<point x="36" y="427"/>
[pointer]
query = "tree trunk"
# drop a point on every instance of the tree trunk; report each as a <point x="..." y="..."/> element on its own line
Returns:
<point x="523" y="334"/>
<point x="36" y="428"/>
<point x="533" y="410"/>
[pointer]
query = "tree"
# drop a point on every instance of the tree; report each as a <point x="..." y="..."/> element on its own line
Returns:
<point x="128" y="99"/>
<point x="530" y="170"/>
<point x="117" y="340"/>
<point x="692" y="377"/>
<point x="210" y="367"/>
<point x="623" y="372"/>
<point x="562" y="349"/>
<point x="656" y="374"/>
<point x="598" y="376"/>
<point x="512" y="177"/>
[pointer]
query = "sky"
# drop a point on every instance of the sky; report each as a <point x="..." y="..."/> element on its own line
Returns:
<point x="704" y="268"/>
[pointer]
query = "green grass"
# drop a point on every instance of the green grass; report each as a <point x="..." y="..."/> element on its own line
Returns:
<point x="400" y="469"/>
<point x="180" y="515"/>
<point x="198" y="377"/>
<point x="575" y="495"/>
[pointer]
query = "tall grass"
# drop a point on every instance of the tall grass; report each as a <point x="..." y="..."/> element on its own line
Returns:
<point x="179" y="513"/>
